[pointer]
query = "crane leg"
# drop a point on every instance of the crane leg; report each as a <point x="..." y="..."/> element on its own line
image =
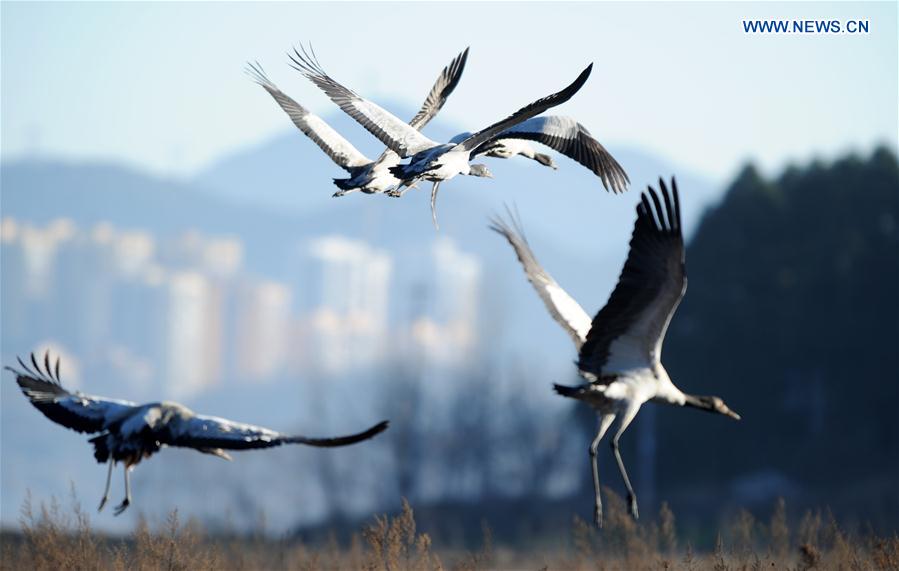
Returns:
<point x="631" y="496"/>
<point x="434" y="204"/>
<point x="127" y="501"/>
<point x="603" y="425"/>
<point x="106" y="489"/>
<point x="401" y="189"/>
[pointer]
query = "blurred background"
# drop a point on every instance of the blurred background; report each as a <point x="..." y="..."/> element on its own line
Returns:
<point x="168" y="232"/>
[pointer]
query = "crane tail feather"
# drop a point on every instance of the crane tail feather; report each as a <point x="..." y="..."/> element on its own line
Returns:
<point x="344" y="183"/>
<point x="101" y="449"/>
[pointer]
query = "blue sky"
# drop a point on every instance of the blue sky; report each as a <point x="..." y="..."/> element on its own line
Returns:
<point x="160" y="86"/>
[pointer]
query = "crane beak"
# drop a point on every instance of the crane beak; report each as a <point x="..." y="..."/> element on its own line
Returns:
<point x="722" y="408"/>
<point x="729" y="412"/>
<point x="712" y="404"/>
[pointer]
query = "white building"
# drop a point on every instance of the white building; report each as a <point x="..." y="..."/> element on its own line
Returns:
<point x="262" y="336"/>
<point x="447" y="331"/>
<point x="345" y="285"/>
<point x="193" y="334"/>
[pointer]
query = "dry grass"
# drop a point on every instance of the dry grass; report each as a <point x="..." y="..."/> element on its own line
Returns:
<point x="52" y="538"/>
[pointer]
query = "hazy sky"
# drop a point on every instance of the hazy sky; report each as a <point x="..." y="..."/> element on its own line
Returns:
<point x="161" y="86"/>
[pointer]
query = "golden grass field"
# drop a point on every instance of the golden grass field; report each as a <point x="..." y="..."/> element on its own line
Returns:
<point x="54" y="538"/>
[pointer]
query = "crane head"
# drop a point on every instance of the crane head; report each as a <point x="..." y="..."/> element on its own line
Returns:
<point x="711" y="404"/>
<point x="481" y="170"/>
<point x="721" y="408"/>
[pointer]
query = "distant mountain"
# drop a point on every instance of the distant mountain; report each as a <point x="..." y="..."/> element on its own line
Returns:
<point x="277" y="195"/>
<point x="41" y="190"/>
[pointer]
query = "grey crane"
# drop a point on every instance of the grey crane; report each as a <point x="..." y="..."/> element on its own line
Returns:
<point x="508" y="148"/>
<point x="562" y="134"/>
<point x="430" y="160"/>
<point x="370" y="177"/>
<point x="619" y="350"/>
<point x="128" y="432"/>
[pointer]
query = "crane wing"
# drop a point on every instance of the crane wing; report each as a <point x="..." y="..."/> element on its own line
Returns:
<point x="628" y="332"/>
<point x="387" y="127"/>
<point x="444" y="86"/>
<point x="561" y="306"/>
<point x="330" y="141"/>
<point x="526" y="112"/>
<point x="210" y="432"/>
<point x="573" y="140"/>
<point x="446" y="83"/>
<point x="80" y="412"/>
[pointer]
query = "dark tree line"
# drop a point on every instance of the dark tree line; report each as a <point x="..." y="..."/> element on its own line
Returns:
<point x="792" y="315"/>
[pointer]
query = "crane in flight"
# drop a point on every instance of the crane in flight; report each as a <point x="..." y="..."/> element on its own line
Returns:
<point x="370" y="177"/>
<point x="128" y="432"/>
<point x="619" y="350"/>
<point x="562" y="134"/>
<point x="429" y="159"/>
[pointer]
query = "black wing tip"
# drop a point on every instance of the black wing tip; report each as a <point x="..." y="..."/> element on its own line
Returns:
<point x="453" y="73"/>
<point x="38" y="382"/>
<point x="461" y="61"/>
<point x="458" y="62"/>
<point x="574" y="87"/>
<point x="47" y="373"/>
<point x="665" y="218"/>
<point x="581" y="79"/>
<point x="347" y="440"/>
<point x="586" y="150"/>
<point x="663" y="186"/>
<point x="618" y="181"/>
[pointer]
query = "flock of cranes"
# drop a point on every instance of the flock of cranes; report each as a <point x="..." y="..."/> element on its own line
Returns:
<point x="430" y="160"/>
<point x="619" y="350"/>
